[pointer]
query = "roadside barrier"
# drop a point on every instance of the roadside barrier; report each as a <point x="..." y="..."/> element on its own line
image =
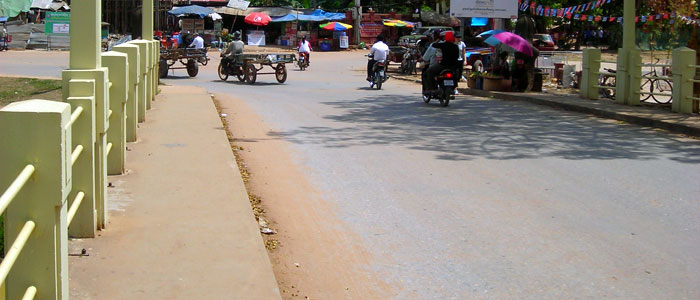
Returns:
<point x="677" y="85"/>
<point x="55" y="157"/>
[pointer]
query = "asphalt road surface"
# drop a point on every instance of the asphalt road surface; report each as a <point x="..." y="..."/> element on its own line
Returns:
<point x="487" y="199"/>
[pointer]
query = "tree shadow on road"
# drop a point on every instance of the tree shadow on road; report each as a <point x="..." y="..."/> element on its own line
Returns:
<point x="473" y="128"/>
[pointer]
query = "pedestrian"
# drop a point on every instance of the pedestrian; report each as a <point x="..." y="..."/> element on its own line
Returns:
<point x="462" y="55"/>
<point x="601" y="36"/>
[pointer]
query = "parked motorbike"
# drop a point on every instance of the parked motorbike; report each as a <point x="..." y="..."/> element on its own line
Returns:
<point x="303" y="61"/>
<point x="231" y="67"/>
<point x="446" y="84"/>
<point x="409" y="61"/>
<point x="379" y="75"/>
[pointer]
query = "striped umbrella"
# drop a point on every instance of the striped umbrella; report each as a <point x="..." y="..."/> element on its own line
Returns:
<point x="335" y="26"/>
<point x="397" y="23"/>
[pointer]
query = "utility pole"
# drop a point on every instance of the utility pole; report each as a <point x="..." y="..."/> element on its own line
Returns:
<point x="358" y="16"/>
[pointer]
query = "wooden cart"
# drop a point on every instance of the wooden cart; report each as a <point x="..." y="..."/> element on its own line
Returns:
<point x="188" y="57"/>
<point x="276" y="61"/>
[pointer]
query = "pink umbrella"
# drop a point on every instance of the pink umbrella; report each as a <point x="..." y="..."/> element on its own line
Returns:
<point x="511" y="40"/>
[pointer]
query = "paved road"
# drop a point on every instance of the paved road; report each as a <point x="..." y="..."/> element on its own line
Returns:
<point x="490" y="199"/>
<point x="486" y="198"/>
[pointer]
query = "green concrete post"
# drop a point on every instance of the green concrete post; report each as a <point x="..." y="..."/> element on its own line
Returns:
<point x="149" y="75"/>
<point x="147" y="21"/>
<point x="635" y="76"/>
<point x="132" y="52"/>
<point x="101" y="125"/>
<point x="86" y="64"/>
<point x="85" y="31"/>
<point x="626" y="81"/>
<point x="83" y="131"/>
<point x="118" y="67"/>
<point x="683" y="60"/>
<point x="589" y="73"/>
<point x="143" y="78"/>
<point x="35" y="132"/>
<point x="155" y="61"/>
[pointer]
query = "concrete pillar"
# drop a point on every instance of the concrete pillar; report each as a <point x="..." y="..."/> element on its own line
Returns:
<point x="683" y="72"/>
<point x="627" y="82"/>
<point x="86" y="64"/>
<point x="132" y="52"/>
<point x="589" y="74"/>
<point x="147" y="21"/>
<point x="35" y="132"/>
<point x="143" y="84"/>
<point x="84" y="222"/>
<point x="117" y="64"/>
<point x="85" y="28"/>
<point x="155" y="62"/>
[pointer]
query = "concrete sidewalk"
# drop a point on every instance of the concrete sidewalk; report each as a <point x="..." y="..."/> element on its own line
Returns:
<point x="647" y="115"/>
<point x="180" y="225"/>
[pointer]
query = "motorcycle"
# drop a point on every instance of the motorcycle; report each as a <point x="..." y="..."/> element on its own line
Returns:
<point x="446" y="84"/>
<point x="303" y="61"/>
<point x="379" y="75"/>
<point x="231" y="67"/>
<point x="408" y="63"/>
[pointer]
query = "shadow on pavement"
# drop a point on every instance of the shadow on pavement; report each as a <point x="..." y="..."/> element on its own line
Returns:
<point x="472" y="128"/>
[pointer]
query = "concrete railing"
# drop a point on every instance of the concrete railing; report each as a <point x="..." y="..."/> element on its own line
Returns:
<point x="55" y="157"/>
<point x="683" y="69"/>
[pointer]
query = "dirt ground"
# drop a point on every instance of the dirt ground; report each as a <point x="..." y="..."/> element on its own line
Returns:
<point x="313" y="256"/>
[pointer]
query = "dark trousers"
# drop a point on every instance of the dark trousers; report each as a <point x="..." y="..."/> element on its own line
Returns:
<point x="429" y="78"/>
<point x="370" y="67"/>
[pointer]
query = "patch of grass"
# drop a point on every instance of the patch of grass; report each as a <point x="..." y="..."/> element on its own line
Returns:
<point x="15" y="89"/>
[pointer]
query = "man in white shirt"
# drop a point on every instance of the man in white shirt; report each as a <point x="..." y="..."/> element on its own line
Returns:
<point x="305" y="49"/>
<point x="377" y="53"/>
<point x="198" y="42"/>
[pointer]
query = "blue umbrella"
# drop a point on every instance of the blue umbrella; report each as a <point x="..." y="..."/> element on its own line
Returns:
<point x="191" y="10"/>
<point x="487" y="34"/>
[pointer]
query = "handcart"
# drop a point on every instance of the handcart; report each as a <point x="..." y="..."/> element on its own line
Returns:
<point x="249" y="64"/>
<point x="188" y="57"/>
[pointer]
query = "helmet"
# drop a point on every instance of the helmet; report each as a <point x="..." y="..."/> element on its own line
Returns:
<point x="237" y="35"/>
<point x="449" y="36"/>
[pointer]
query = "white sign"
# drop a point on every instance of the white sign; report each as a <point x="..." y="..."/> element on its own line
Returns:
<point x="61" y="28"/>
<point x="238" y="4"/>
<point x="344" y="42"/>
<point x="504" y="9"/>
<point x="256" y="39"/>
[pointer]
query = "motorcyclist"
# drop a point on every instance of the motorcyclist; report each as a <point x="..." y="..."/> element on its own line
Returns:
<point x="234" y="49"/>
<point x="430" y="57"/>
<point x="305" y="49"/>
<point x="450" y="54"/>
<point x="378" y="52"/>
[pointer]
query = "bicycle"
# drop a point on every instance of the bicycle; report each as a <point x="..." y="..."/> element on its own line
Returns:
<point x="607" y="80"/>
<point x="660" y="85"/>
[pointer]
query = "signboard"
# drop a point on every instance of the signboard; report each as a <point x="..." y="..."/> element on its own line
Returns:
<point x="238" y="4"/>
<point x="503" y="9"/>
<point x="57" y="23"/>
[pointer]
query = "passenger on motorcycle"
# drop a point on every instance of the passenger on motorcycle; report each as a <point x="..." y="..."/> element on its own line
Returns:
<point x="305" y="49"/>
<point x="198" y="42"/>
<point x="378" y="52"/>
<point x="234" y="49"/>
<point x="450" y="54"/>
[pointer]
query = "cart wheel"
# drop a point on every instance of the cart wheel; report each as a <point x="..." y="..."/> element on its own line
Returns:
<point x="192" y="68"/>
<point x="222" y="73"/>
<point x="251" y="73"/>
<point x="163" y="68"/>
<point x="281" y="73"/>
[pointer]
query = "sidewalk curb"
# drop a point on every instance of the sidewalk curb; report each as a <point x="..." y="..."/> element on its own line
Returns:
<point x="677" y="123"/>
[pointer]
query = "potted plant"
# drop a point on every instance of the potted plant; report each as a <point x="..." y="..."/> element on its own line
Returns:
<point x="492" y="82"/>
<point x="471" y="79"/>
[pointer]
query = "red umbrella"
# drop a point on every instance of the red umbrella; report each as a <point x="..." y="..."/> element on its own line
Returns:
<point x="257" y="19"/>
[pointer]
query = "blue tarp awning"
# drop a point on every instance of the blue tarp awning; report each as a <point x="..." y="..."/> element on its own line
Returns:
<point x="3" y="19"/>
<point x="316" y="16"/>
<point x="191" y="10"/>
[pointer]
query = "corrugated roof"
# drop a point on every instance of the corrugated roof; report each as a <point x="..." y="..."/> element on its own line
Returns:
<point x="49" y="4"/>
